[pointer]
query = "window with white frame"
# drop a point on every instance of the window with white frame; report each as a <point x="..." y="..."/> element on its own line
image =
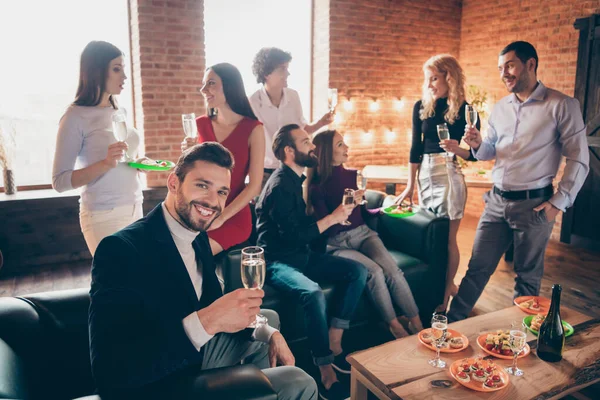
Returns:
<point x="42" y="43"/>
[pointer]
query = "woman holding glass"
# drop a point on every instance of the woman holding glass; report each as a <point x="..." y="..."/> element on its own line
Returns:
<point x="231" y="122"/>
<point x="442" y="187"/>
<point x="88" y="153"/>
<point x="386" y="284"/>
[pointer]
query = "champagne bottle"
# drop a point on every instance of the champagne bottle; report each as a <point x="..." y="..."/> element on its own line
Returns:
<point x="551" y="339"/>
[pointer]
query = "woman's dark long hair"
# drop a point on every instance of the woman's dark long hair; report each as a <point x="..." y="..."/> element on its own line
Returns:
<point x="324" y="150"/>
<point x="93" y="71"/>
<point x="233" y="88"/>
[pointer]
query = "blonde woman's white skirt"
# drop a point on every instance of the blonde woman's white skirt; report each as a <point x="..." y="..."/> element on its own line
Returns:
<point x="442" y="187"/>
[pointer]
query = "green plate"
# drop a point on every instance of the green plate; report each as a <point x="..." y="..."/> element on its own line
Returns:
<point x="152" y="167"/>
<point x="388" y="211"/>
<point x="568" y="328"/>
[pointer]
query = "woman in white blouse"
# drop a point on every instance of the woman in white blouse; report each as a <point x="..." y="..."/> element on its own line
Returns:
<point x="87" y="153"/>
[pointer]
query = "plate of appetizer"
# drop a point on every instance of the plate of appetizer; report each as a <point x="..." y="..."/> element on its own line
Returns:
<point x="152" y="165"/>
<point x="533" y="304"/>
<point x="455" y="341"/>
<point x="400" y="211"/>
<point x="533" y="323"/>
<point x="479" y="374"/>
<point x="496" y="344"/>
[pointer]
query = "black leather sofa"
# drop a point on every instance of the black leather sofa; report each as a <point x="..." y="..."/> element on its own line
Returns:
<point x="419" y="244"/>
<point x="44" y="354"/>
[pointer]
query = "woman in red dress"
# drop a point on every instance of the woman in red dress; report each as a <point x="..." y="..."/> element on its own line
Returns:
<point x="231" y="122"/>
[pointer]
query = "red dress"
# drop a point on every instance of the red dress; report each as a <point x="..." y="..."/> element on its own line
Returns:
<point x="236" y="229"/>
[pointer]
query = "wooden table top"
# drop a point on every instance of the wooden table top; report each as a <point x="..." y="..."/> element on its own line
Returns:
<point x="399" y="369"/>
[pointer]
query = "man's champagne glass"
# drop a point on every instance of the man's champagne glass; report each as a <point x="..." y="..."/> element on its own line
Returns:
<point x="253" y="275"/>
<point x="471" y="115"/>
<point x="332" y="99"/>
<point x="119" y="125"/>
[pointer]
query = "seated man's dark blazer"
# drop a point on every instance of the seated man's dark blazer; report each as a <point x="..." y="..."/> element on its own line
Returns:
<point x="140" y="294"/>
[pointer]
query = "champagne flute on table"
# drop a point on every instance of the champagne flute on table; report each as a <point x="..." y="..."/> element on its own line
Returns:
<point x="444" y="134"/>
<point x="253" y="275"/>
<point x="189" y="125"/>
<point x="120" y="132"/>
<point x="361" y="184"/>
<point x="347" y="199"/>
<point x="439" y="330"/>
<point x="516" y="341"/>
<point x="332" y="99"/>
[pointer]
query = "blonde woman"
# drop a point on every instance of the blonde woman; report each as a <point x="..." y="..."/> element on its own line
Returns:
<point x="440" y="180"/>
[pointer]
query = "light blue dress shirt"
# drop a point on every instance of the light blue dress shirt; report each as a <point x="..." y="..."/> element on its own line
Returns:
<point x="528" y="138"/>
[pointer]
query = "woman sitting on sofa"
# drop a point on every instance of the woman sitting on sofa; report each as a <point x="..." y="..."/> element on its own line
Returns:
<point x="386" y="284"/>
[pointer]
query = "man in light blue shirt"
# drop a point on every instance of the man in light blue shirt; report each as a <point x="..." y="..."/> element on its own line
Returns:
<point x="529" y="132"/>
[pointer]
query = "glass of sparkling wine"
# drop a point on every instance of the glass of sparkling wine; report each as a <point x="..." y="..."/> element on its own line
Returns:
<point x="471" y="115"/>
<point x="444" y="134"/>
<point x="439" y="329"/>
<point x="517" y="340"/>
<point x="332" y="99"/>
<point x="119" y="125"/>
<point x="361" y="184"/>
<point x="189" y="125"/>
<point x="253" y="275"/>
<point x="347" y="199"/>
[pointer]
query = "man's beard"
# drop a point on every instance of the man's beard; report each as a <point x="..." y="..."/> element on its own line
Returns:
<point x="309" y="160"/>
<point x="521" y="84"/>
<point x="184" y="211"/>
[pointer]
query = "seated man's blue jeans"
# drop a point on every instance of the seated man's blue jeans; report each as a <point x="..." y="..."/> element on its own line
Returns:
<point x="298" y="283"/>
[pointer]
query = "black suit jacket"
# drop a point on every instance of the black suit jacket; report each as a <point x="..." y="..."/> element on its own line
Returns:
<point x="140" y="294"/>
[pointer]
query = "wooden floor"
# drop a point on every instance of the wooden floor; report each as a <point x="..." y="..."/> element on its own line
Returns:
<point x="577" y="270"/>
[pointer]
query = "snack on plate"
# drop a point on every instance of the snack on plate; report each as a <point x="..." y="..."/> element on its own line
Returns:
<point x="457" y="343"/>
<point x="490" y="384"/>
<point x="498" y="343"/>
<point x="149" y="161"/>
<point x="476" y="366"/>
<point x="466" y="368"/>
<point x="536" y="322"/>
<point x="463" y="376"/>
<point x="489" y="370"/>
<point x="531" y="304"/>
<point x="427" y="336"/>
<point x="401" y="209"/>
<point x="479" y="375"/>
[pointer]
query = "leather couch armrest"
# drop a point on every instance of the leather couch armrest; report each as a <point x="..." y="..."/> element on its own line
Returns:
<point x="239" y="382"/>
<point x="423" y="235"/>
<point x="230" y="267"/>
<point x="12" y="374"/>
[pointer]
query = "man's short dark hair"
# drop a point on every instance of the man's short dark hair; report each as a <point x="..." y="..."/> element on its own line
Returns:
<point x="267" y="60"/>
<point x="283" y="138"/>
<point x="212" y="152"/>
<point x="523" y="50"/>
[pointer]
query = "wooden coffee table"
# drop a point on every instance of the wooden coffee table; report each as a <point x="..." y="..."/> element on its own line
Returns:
<point x="399" y="369"/>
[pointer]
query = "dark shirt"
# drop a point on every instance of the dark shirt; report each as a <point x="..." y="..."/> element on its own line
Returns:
<point x="284" y="230"/>
<point x="327" y="197"/>
<point x="425" y="139"/>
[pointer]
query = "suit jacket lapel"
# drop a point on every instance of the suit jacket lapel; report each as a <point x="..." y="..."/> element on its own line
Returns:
<point x="171" y="259"/>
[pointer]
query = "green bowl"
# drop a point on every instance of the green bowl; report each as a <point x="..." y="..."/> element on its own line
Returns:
<point x="388" y="211"/>
<point x="568" y="328"/>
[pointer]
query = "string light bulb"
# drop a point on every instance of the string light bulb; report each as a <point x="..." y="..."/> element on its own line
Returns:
<point x="348" y="106"/>
<point x="390" y="135"/>
<point x="374" y="105"/>
<point x="399" y="104"/>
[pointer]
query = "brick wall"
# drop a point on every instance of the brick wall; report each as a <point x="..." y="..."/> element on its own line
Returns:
<point x="377" y="49"/>
<point x="167" y="47"/>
